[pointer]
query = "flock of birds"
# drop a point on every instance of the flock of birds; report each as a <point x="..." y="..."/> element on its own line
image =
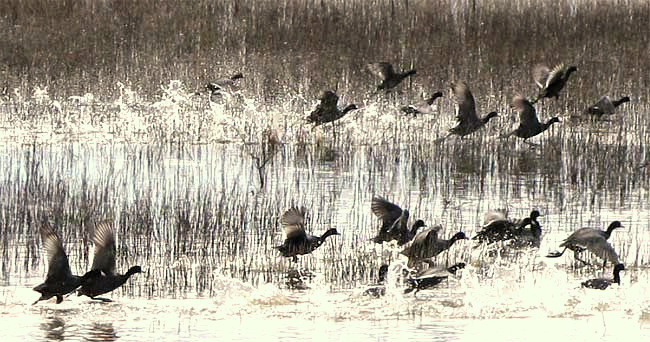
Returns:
<point x="549" y="81"/>
<point x="420" y="247"/>
<point x="423" y="246"/>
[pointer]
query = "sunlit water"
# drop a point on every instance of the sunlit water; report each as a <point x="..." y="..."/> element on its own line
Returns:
<point x="509" y="298"/>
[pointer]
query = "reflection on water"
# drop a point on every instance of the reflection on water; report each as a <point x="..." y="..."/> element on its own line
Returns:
<point x="54" y="328"/>
<point x="101" y="332"/>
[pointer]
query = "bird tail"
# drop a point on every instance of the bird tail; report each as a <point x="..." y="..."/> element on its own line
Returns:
<point x="556" y="254"/>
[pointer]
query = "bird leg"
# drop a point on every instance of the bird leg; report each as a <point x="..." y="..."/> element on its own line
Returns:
<point x="575" y="256"/>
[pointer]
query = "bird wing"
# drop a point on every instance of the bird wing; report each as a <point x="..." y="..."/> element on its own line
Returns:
<point x="555" y="75"/>
<point x="329" y="99"/>
<point x="494" y="215"/>
<point x="466" y="104"/>
<point x="603" y="106"/>
<point x="428" y="235"/>
<point x="58" y="266"/>
<point x="382" y="69"/>
<point x="601" y="248"/>
<point x="527" y="115"/>
<point x="104" y="240"/>
<point x="385" y="210"/>
<point x="540" y="74"/>
<point x="293" y="221"/>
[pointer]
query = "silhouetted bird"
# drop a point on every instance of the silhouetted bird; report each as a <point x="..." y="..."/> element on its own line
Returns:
<point x="426" y="245"/>
<point x="421" y="108"/>
<point x="499" y="228"/>
<point x="297" y="241"/>
<point x="429" y="278"/>
<point x="106" y="279"/>
<point x="605" y="106"/>
<point x="219" y="85"/>
<point x="394" y="222"/>
<point x="603" y="283"/>
<point x="529" y="125"/>
<point x="59" y="280"/>
<point x="389" y="78"/>
<point x="326" y="111"/>
<point x="592" y="240"/>
<point x="550" y="82"/>
<point x="468" y="121"/>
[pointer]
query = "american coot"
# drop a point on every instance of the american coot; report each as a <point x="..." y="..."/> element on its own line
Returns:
<point x="429" y="278"/>
<point x="499" y="228"/>
<point x="378" y="289"/>
<point x="60" y="280"/>
<point x="394" y="222"/>
<point x="603" y="283"/>
<point x="468" y="121"/>
<point x="297" y="241"/>
<point x="219" y="85"/>
<point x="421" y="108"/>
<point x="389" y="77"/>
<point x="327" y="111"/>
<point x="529" y="125"/>
<point x="103" y="278"/>
<point x="592" y="240"/>
<point x="550" y="82"/>
<point x="605" y="106"/>
<point x="426" y="245"/>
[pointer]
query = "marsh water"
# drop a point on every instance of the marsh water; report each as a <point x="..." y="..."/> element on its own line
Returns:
<point x="195" y="183"/>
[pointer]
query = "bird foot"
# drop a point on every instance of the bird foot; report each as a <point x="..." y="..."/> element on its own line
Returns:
<point x="105" y="300"/>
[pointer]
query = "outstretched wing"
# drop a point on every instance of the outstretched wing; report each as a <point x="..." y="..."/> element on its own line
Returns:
<point x="385" y="210"/>
<point x="58" y="266"/>
<point x="293" y="221"/>
<point x="540" y="74"/>
<point x="382" y="70"/>
<point x="466" y="104"/>
<point x="104" y="240"/>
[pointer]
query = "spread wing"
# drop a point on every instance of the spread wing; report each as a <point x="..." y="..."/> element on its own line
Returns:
<point x="556" y="74"/>
<point x="293" y="221"/>
<point x="382" y="70"/>
<point x="526" y="111"/>
<point x="329" y="99"/>
<point x="58" y="266"/>
<point x="495" y="215"/>
<point x="466" y="104"/>
<point x="540" y="74"/>
<point x="385" y="210"/>
<point x="104" y="240"/>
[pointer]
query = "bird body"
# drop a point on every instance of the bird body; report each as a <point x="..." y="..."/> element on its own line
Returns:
<point x="394" y="220"/>
<point x="499" y="228"/>
<point x="428" y="278"/>
<point x="297" y="241"/>
<point x="592" y="240"/>
<point x="605" y="106"/>
<point x="390" y="78"/>
<point x="468" y="120"/>
<point x="529" y="125"/>
<point x="60" y="280"/>
<point x="219" y="85"/>
<point x="327" y="110"/>
<point x="604" y="283"/>
<point x="426" y="245"/>
<point x="421" y="108"/>
<point x="103" y="277"/>
<point x="550" y="82"/>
